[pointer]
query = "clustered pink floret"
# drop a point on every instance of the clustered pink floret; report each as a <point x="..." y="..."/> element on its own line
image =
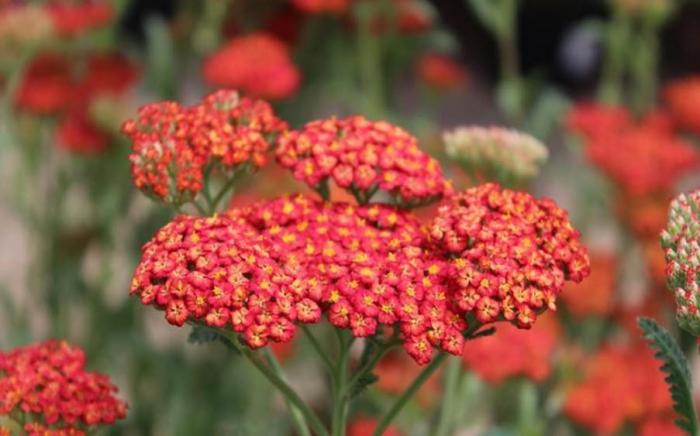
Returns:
<point x="259" y="270"/>
<point x="173" y="146"/>
<point x="48" y="382"/>
<point x="363" y="156"/>
<point x="510" y="252"/>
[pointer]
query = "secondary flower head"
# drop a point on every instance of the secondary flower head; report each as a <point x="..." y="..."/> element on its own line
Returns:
<point x="592" y="120"/>
<point x="510" y="253"/>
<point x="681" y="242"/>
<point x="514" y="352"/>
<point x="259" y="64"/>
<point x="503" y="155"/>
<point x="216" y="271"/>
<point x="362" y="156"/>
<point x="683" y="100"/>
<point x="47" y="381"/>
<point x="172" y="145"/>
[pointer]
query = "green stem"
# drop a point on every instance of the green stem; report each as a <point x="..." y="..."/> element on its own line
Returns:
<point x="644" y="67"/>
<point x="319" y="349"/>
<point x="616" y="46"/>
<point x="281" y="385"/>
<point x="449" y="397"/>
<point x="408" y="394"/>
<point x="297" y="416"/>
<point x="340" y="407"/>
<point x="367" y="367"/>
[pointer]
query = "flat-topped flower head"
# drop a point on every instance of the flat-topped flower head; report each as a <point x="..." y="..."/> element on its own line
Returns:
<point x="681" y="242"/>
<point x="362" y="156"/>
<point x="47" y="382"/>
<point x="510" y="253"/>
<point x="502" y="155"/>
<point x="216" y="271"/>
<point x="369" y="268"/>
<point x="173" y="147"/>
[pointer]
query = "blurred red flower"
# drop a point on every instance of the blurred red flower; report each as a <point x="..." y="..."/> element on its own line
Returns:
<point x="73" y="18"/>
<point x="258" y="64"/>
<point x="659" y="427"/>
<point x="366" y="426"/>
<point x="593" y="296"/>
<point x="683" y="100"/>
<point x="322" y="6"/>
<point x="514" y="352"/>
<point x="108" y="73"/>
<point x="47" y="85"/>
<point x="396" y="371"/>
<point x="440" y="72"/>
<point x="77" y="133"/>
<point x="621" y="383"/>
<point x="592" y="120"/>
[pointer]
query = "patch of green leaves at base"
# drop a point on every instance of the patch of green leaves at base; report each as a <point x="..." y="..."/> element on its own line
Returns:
<point x="203" y="335"/>
<point x="675" y="366"/>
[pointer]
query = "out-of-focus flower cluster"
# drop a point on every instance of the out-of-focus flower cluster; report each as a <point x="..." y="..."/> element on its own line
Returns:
<point x="173" y="146"/>
<point x="497" y="154"/>
<point x="682" y="98"/>
<point x="258" y="64"/>
<point x="642" y="158"/>
<point x="621" y="384"/>
<point x="595" y="295"/>
<point x="47" y="383"/>
<point x="514" y="352"/>
<point x="362" y="156"/>
<point x="510" y="252"/>
<point x="440" y="72"/>
<point x="681" y="242"/>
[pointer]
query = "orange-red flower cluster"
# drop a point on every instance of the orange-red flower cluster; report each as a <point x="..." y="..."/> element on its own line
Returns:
<point x="595" y="295"/>
<point x="440" y="72"/>
<point x="322" y="6"/>
<point x="46" y="86"/>
<point x="621" y="384"/>
<point x="172" y="145"/>
<point x="258" y="64"/>
<point x="74" y="18"/>
<point x="682" y="97"/>
<point x="47" y="381"/>
<point x="641" y="158"/>
<point x="259" y="269"/>
<point x="366" y="426"/>
<point x="362" y="156"/>
<point x="514" y="352"/>
<point x="510" y="252"/>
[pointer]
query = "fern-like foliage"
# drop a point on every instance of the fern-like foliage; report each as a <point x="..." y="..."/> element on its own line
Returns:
<point x="203" y="335"/>
<point x="675" y="366"/>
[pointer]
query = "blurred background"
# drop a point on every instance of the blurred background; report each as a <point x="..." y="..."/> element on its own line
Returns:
<point x="611" y="87"/>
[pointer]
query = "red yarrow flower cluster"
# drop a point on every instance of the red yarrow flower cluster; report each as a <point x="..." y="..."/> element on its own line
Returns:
<point x="172" y="145"/>
<point x="216" y="271"/>
<point x="642" y="158"/>
<point x="72" y="19"/>
<point x="682" y="97"/>
<point x="46" y="86"/>
<point x="48" y="382"/>
<point x="362" y="156"/>
<point x="258" y="64"/>
<point x="514" y="352"/>
<point x="510" y="253"/>
<point x="620" y="384"/>
<point x="440" y="72"/>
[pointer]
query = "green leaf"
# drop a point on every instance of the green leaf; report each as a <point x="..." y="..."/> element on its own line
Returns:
<point x="675" y="366"/>
<point x="204" y="335"/>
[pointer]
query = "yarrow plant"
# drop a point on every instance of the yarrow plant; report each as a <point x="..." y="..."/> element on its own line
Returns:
<point x="257" y="275"/>
<point x="45" y="390"/>
<point x="496" y="154"/>
<point x="681" y="242"/>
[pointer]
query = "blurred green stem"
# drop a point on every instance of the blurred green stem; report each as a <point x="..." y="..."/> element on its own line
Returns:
<point x="449" y="397"/>
<point x="297" y="416"/>
<point x="644" y="66"/>
<point x="369" y="60"/>
<point x="617" y="39"/>
<point x="340" y="400"/>
<point x="528" y="424"/>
